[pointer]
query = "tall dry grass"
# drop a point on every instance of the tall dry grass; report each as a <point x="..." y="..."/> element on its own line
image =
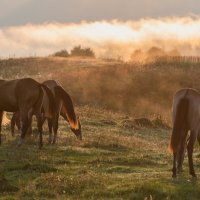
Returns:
<point x="139" y="90"/>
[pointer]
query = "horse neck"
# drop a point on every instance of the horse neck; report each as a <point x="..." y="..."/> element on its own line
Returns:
<point x="67" y="105"/>
<point x="69" y="118"/>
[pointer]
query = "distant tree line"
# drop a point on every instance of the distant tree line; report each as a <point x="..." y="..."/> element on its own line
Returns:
<point x="77" y="51"/>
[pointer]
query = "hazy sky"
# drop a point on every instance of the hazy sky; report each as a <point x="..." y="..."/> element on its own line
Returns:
<point x="20" y="12"/>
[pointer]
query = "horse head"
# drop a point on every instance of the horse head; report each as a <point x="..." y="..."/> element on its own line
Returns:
<point x="77" y="131"/>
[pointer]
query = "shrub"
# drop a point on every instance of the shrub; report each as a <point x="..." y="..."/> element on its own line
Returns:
<point x="83" y="52"/>
<point x="61" y="53"/>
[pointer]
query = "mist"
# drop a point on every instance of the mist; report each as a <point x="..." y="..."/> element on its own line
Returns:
<point x="108" y="39"/>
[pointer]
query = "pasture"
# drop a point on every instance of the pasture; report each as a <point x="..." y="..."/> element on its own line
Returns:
<point x="117" y="159"/>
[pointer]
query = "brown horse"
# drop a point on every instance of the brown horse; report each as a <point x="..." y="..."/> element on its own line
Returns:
<point x="26" y="96"/>
<point x="185" y="117"/>
<point x="63" y="107"/>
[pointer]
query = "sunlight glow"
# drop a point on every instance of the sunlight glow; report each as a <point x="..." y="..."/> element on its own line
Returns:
<point x="106" y="38"/>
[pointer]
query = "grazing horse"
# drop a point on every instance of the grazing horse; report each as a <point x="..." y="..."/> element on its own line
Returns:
<point x="63" y="107"/>
<point x="185" y="117"/>
<point x="27" y="97"/>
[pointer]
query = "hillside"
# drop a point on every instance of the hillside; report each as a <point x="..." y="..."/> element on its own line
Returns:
<point x="117" y="159"/>
<point x="140" y="90"/>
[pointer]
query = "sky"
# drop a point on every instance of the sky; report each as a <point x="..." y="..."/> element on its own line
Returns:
<point x="110" y="27"/>
<point x="20" y="12"/>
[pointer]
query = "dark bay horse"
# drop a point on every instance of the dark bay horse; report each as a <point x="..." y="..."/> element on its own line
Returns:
<point x="63" y="106"/>
<point x="27" y="97"/>
<point x="185" y="117"/>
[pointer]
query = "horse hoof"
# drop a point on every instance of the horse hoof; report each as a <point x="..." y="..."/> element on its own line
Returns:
<point x="20" y="142"/>
<point x="40" y="146"/>
<point x="50" y="142"/>
<point x="179" y="171"/>
<point x="173" y="175"/>
<point x="194" y="175"/>
<point x="19" y="145"/>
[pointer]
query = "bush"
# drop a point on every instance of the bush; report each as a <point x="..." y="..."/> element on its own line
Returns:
<point x="83" y="52"/>
<point x="61" y="53"/>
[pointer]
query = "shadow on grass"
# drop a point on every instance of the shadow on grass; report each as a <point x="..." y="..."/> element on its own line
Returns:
<point x="31" y="167"/>
<point x="6" y="186"/>
<point x="165" y="189"/>
<point x="126" y="162"/>
<point x="109" y="146"/>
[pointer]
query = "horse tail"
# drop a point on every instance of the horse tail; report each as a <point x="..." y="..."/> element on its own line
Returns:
<point x="68" y="106"/>
<point x="49" y="105"/>
<point x="180" y="124"/>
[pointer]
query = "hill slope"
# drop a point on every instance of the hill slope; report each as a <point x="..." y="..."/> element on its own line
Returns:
<point x="117" y="158"/>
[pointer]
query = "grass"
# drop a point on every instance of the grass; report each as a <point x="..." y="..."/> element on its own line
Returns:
<point x="112" y="162"/>
<point x="132" y="88"/>
<point x="118" y="158"/>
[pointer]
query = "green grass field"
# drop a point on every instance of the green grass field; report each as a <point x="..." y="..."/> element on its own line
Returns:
<point x="114" y="161"/>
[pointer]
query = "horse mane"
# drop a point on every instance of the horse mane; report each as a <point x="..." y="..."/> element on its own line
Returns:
<point x="68" y="106"/>
<point x="51" y="99"/>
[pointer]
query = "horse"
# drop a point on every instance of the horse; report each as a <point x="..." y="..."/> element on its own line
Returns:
<point x="64" y="107"/>
<point x="185" y="117"/>
<point x="27" y="97"/>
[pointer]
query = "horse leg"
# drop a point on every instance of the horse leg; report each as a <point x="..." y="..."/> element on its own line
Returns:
<point x="26" y="122"/>
<point x="12" y="124"/>
<point x="190" y="146"/>
<point x="174" y="165"/>
<point x="181" y="153"/>
<point x="55" y="127"/>
<point x="29" y="130"/>
<point x="42" y="119"/>
<point x="1" y="118"/>
<point x="50" y="125"/>
<point x="39" y="124"/>
<point x="18" y="124"/>
<point x="15" y="120"/>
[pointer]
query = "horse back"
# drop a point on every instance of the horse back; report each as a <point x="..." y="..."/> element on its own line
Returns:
<point x="27" y="92"/>
<point x="8" y="98"/>
<point x="193" y="113"/>
<point x="51" y="84"/>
